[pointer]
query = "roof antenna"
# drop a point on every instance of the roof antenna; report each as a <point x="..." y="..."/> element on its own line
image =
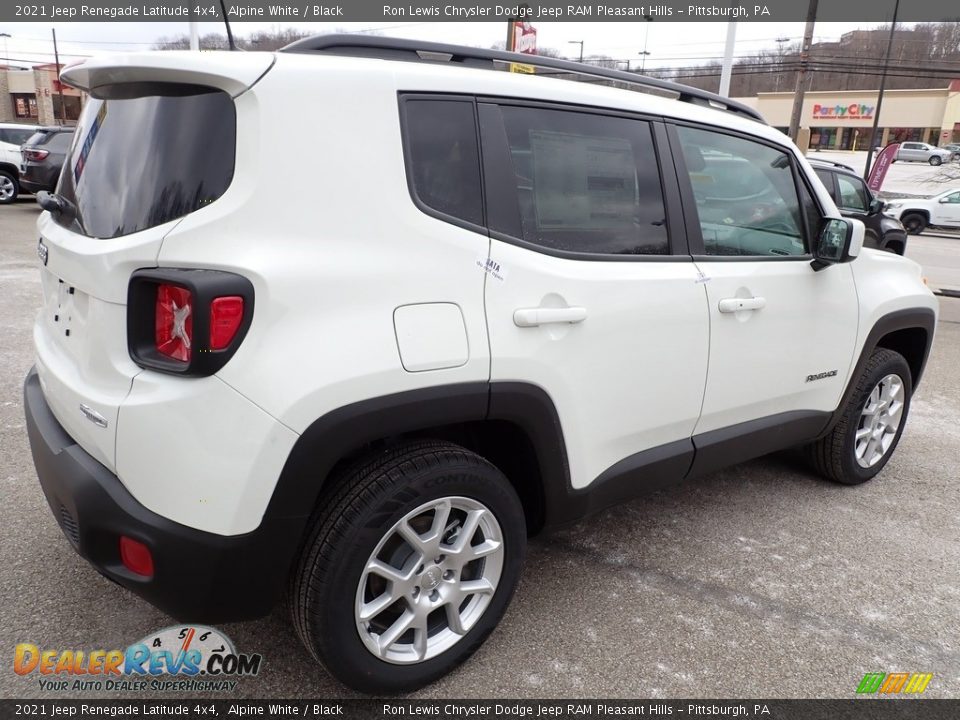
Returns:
<point x="230" y="42"/>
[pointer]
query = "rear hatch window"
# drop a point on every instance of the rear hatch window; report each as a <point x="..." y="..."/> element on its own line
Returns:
<point x="145" y="154"/>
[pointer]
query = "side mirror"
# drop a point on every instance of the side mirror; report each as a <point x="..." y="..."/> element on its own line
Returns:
<point x="840" y="241"/>
<point x="876" y="206"/>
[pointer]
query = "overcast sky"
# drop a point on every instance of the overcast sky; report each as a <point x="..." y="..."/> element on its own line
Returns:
<point x="669" y="43"/>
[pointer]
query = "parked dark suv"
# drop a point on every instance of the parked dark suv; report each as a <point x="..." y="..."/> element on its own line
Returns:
<point x="854" y="199"/>
<point x="43" y="156"/>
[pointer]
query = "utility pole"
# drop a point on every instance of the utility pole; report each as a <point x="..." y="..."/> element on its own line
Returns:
<point x="646" y="39"/>
<point x="580" y="43"/>
<point x="56" y="56"/>
<point x="194" y="36"/>
<point x="883" y="85"/>
<point x="802" y="73"/>
<point x="780" y="41"/>
<point x="727" y="70"/>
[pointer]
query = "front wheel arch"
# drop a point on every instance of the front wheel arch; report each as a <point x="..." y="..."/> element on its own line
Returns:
<point x="908" y="332"/>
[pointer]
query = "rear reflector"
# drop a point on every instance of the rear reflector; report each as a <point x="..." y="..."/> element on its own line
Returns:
<point x="136" y="556"/>
<point x="173" y="328"/>
<point x="226" y="314"/>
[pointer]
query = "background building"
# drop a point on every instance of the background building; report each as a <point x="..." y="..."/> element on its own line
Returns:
<point x="32" y="96"/>
<point x="842" y="120"/>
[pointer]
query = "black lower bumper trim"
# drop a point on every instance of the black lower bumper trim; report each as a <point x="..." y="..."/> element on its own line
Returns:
<point x="198" y="576"/>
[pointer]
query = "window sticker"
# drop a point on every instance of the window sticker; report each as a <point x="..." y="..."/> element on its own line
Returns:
<point x="88" y="143"/>
<point x="582" y="183"/>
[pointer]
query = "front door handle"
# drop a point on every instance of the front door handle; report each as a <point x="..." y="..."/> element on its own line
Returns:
<point x="730" y="305"/>
<point x="531" y="317"/>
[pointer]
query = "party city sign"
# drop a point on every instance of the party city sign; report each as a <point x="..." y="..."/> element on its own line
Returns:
<point x="853" y="111"/>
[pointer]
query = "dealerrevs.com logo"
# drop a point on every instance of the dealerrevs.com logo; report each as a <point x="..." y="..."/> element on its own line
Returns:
<point x="191" y="658"/>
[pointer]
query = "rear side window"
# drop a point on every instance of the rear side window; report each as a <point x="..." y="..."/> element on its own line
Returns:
<point x="147" y="154"/>
<point x="443" y="161"/>
<point x="586" y="183"/>
<point x="15" y="136"/>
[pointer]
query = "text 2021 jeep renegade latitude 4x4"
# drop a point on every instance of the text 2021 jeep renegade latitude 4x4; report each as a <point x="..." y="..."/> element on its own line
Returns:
<point x="494" y="303"/>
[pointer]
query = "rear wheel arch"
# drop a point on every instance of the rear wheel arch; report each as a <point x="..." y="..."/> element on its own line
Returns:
<point x="10" y="168"/>
<point x="512" y="425"/>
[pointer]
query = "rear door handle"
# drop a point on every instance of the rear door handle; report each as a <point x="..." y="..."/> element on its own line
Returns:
<point x="730" y="305"/>
<point x="531" y="317"/>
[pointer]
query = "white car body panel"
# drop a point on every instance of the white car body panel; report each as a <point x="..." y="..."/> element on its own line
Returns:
<point x="940" y="213"/>
<point x="353" y="250"/>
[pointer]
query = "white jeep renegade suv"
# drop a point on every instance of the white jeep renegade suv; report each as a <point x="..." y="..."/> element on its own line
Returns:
<point x="489" y="304"/>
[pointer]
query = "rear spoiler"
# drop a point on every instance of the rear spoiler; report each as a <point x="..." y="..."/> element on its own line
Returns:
<point x="228" y="71"/>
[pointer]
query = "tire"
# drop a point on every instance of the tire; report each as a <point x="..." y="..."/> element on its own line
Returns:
<point x="837" y="456"/>
<point x="356" y="524"/>
<point x="914" y="223"/>
<point x="936" y="160"/>
<point x="9" y="187"/>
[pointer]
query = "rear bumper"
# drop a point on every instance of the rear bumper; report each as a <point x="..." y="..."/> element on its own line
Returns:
<point x="198" y="576"/>
<point x="35" y="187"/>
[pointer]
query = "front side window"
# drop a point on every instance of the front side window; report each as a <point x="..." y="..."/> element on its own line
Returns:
<point x="443" y="161"/>
<point x="853" y="193"/>
<point x="952" y="199"/>
<point x="585" y="183"/>
<point x="745" y="194"/>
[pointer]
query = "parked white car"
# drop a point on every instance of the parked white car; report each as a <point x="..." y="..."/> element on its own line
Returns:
<point x="496" y="303"/>
<point x="917" y="214"/>
<point x="12" y="136"/>
<point x="921" y="152"/>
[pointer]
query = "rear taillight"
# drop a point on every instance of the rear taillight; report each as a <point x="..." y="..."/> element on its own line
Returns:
<point x="188" y="322"/>
<point x="34" y="155"/>
<point x="226" y="314"/>
<point x="173" y="322"/>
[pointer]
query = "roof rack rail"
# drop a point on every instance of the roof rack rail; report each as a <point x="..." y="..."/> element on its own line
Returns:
<point x="415" y="50"/>
<point x="830" y="162"/>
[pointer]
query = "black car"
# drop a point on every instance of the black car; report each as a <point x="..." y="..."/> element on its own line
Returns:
<point x="43" y="155"/>
<point x="854" y="199"/>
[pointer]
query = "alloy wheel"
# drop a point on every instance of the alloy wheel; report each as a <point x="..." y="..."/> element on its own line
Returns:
<point x="6" y="188"/>
<point x="429" y="580"/>
<point x="879" y="421"/>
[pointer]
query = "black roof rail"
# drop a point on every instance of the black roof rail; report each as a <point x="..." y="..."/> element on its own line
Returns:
<point x="387" y="48"/>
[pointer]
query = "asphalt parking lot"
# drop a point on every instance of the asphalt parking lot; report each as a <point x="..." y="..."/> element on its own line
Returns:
<point x="758" y="581"/>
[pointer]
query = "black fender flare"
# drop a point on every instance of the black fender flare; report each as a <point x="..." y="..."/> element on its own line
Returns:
<point x="911" y="318"/>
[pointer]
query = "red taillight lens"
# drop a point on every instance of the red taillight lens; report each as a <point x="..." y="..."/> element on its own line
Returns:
<point x="35" y="155"/>
<point x="136" y="556"/>
<point x="173" y="331"/>
<point x="226" y="314"/>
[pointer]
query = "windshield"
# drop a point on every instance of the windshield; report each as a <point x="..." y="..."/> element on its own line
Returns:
<point x="151" y="154"/>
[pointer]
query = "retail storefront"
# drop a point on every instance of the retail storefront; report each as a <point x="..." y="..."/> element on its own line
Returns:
<point x="33" y="96"/>
<point x="843" y="120"/>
